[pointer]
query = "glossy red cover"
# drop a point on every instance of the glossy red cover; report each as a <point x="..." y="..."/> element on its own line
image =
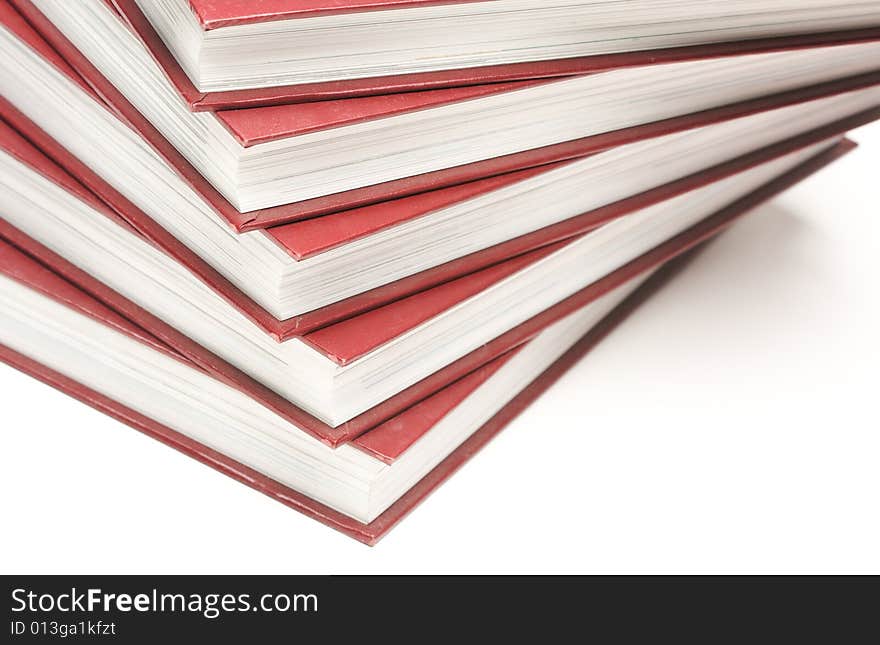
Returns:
<point x="375" y="530"/>
<point x="434" y="180"/>
<point x="330" y="90"/>
<point x="465" y="365"/>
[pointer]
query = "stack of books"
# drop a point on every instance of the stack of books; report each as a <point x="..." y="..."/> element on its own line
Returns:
<point x="331" y="248"/>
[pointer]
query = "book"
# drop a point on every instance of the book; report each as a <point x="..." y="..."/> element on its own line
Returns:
<point x="310" y="159"/>
<point x="340" y="295"/>
<point x="292" y="278"/>
<point x="276" y="57"/>
<point x="342" y="379"/>
<point x="58" y="333"/>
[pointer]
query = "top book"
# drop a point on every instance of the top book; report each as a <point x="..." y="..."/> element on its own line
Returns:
<point x="333" y="48"/>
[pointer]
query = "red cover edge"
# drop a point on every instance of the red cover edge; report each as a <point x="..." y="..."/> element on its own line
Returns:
<point x="367" y="533"/>
<point x="442" y="178"/>
<point x="277" y="122"/>
<point x="213" y="16"/>
<point x="417" y="392"/>
<point x="388" y="441"/>
<point x="308" y="238"/>
<point x="22" y="268"/>
<point x="329" y="90"/>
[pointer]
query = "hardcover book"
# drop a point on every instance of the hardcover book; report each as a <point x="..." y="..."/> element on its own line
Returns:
<point x="236" y="54"/>
<point x="58" y="333"/>
<point x="280" y="163"/>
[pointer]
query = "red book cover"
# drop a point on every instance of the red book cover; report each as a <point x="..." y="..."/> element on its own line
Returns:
<point x="214" y="15"/>
<point x="399" y="433"/>
<point x="355" y="337"/>
<point x="261" y="124"/>
<point x="391" y="439"/>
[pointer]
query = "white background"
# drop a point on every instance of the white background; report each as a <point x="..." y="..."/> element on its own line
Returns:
<point x="732" y="425"/>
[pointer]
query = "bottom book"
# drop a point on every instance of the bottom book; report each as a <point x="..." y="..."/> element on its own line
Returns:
<point x="54" y="331"/>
